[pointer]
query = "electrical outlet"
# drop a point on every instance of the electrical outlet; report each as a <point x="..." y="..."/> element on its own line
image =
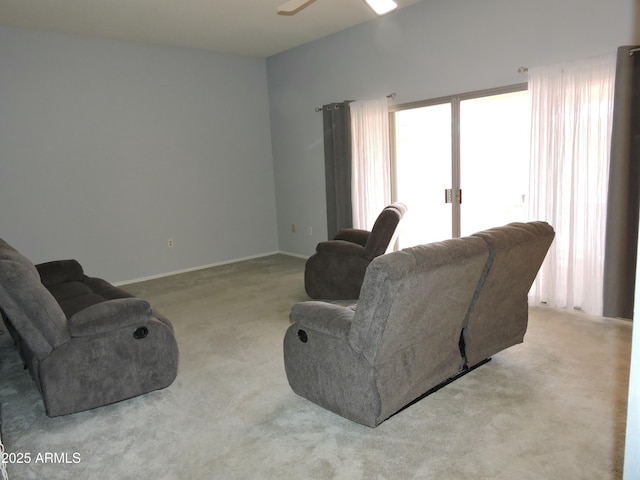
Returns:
<point x="170" y="243"/>
<point x="309" y="230"/>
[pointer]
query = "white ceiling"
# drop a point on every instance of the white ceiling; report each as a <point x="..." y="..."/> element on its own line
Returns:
<point x="244" y="27"/>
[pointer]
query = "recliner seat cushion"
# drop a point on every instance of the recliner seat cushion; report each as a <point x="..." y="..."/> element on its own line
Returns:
<point x="72" y="289"/>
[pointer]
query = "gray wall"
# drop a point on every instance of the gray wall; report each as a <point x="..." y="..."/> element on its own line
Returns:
<point x="431" y="49"/>
<point x="108" y="149"/>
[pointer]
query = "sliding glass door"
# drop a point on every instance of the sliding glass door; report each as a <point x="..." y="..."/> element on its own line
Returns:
<point x="494" y="160"/>
<point x="461" y="164"/>
<point x="422" y="168"/>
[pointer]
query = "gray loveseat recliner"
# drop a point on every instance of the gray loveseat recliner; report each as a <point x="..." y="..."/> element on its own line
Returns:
<point x="85" y="342"/>
<point x="426" y="315"/>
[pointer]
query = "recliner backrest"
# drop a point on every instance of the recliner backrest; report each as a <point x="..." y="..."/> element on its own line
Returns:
<point x="383" y="230"/>
<point x="28" y="305"/>
<point x="410" y="315"/>
<point x="406" y="294"/>
<point x="498" y="316"/>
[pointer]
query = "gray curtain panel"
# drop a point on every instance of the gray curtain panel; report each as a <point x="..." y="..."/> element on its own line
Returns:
<point x="337" y="163"/>
<point x="623" y="204"/>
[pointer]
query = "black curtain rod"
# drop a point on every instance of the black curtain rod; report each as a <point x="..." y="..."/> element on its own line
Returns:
<point x="391" y="96"/>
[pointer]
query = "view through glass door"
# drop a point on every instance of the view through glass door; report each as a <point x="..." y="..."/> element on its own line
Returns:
<point x="422" y="168"/>
<point x="475" y="146"/>
<point x="494" y="160"/>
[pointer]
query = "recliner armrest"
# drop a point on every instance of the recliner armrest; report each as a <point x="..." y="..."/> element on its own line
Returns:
<point x="334" y="320"/>
<point x="108" y="316"/>
<point x="353" y="235"/>
<point x="340" y="247"/>
<point x="59" y="271"/>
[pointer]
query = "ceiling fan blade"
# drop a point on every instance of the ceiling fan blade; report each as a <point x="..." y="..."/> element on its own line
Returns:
<point x="293" y="6"/>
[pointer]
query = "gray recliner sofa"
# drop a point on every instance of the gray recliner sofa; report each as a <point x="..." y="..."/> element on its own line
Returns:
<point x="426" y="315"/>
<point x="85" y="342"/>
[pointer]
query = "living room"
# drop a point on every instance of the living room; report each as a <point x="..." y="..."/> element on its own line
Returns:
<point x="109" y="149"/>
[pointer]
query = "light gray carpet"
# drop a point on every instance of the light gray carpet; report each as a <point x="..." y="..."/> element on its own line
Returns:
<point x="553" y="407"/>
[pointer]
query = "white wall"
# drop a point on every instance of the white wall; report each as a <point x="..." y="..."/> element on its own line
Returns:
<point x="431" y="49"/>
<point x="108" y="149"/>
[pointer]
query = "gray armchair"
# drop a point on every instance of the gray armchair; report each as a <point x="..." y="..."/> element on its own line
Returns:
<point x="337" y="269"/>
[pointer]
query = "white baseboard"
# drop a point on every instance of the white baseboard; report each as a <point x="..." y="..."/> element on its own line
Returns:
<point x="201" y="267"/>
<point x="297" y="255"/>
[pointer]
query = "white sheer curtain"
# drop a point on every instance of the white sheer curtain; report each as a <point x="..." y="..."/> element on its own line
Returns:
<point x="572" y="110"/>
<point x="371" y="171"/>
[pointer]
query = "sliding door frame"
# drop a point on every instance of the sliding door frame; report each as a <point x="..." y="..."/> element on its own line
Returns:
<point x="454" y="101"/>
